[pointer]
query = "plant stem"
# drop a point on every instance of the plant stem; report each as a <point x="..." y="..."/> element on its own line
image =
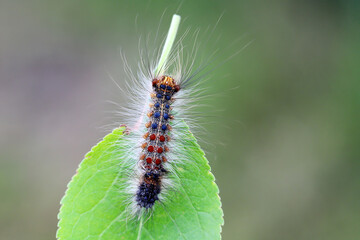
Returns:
<point x="175" y="22"/>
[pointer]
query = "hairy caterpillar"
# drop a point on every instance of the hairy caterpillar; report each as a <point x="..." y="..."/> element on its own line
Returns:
<point x="152" y="158"/>
<point x="160" y="95"/>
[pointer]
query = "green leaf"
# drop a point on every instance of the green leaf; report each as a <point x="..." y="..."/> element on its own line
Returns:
<point x="94" y="206"/>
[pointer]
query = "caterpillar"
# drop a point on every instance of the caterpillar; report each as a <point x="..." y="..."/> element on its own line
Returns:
<point x="156" y="137"/>
<point x="157" y="96"/>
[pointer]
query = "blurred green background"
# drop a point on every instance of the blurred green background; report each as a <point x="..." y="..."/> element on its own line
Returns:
<point x="285" y="148"/>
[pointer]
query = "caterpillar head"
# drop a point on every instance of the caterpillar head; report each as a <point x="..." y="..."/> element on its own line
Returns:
<point x="166" y="83"/>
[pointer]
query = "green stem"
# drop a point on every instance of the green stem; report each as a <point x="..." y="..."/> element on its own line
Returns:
<point x="175" y="22"/>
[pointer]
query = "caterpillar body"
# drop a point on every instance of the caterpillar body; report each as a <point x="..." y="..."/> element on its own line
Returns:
<point x="156" y="137"/>
<point x="161" y="97"/>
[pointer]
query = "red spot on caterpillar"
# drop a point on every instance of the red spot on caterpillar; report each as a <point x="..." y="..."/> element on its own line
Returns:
<point x="157" y="161"/>
<point x="150" y="148"/>
<point x="162" y="138"/>
<point x="149" y="160"/>
<point x="152" y="137"/>
<point x="176" y="88"/>
<point x="160" y="150"/>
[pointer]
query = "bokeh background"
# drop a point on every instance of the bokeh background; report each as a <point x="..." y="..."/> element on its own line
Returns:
<point x="284" y="150"/>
